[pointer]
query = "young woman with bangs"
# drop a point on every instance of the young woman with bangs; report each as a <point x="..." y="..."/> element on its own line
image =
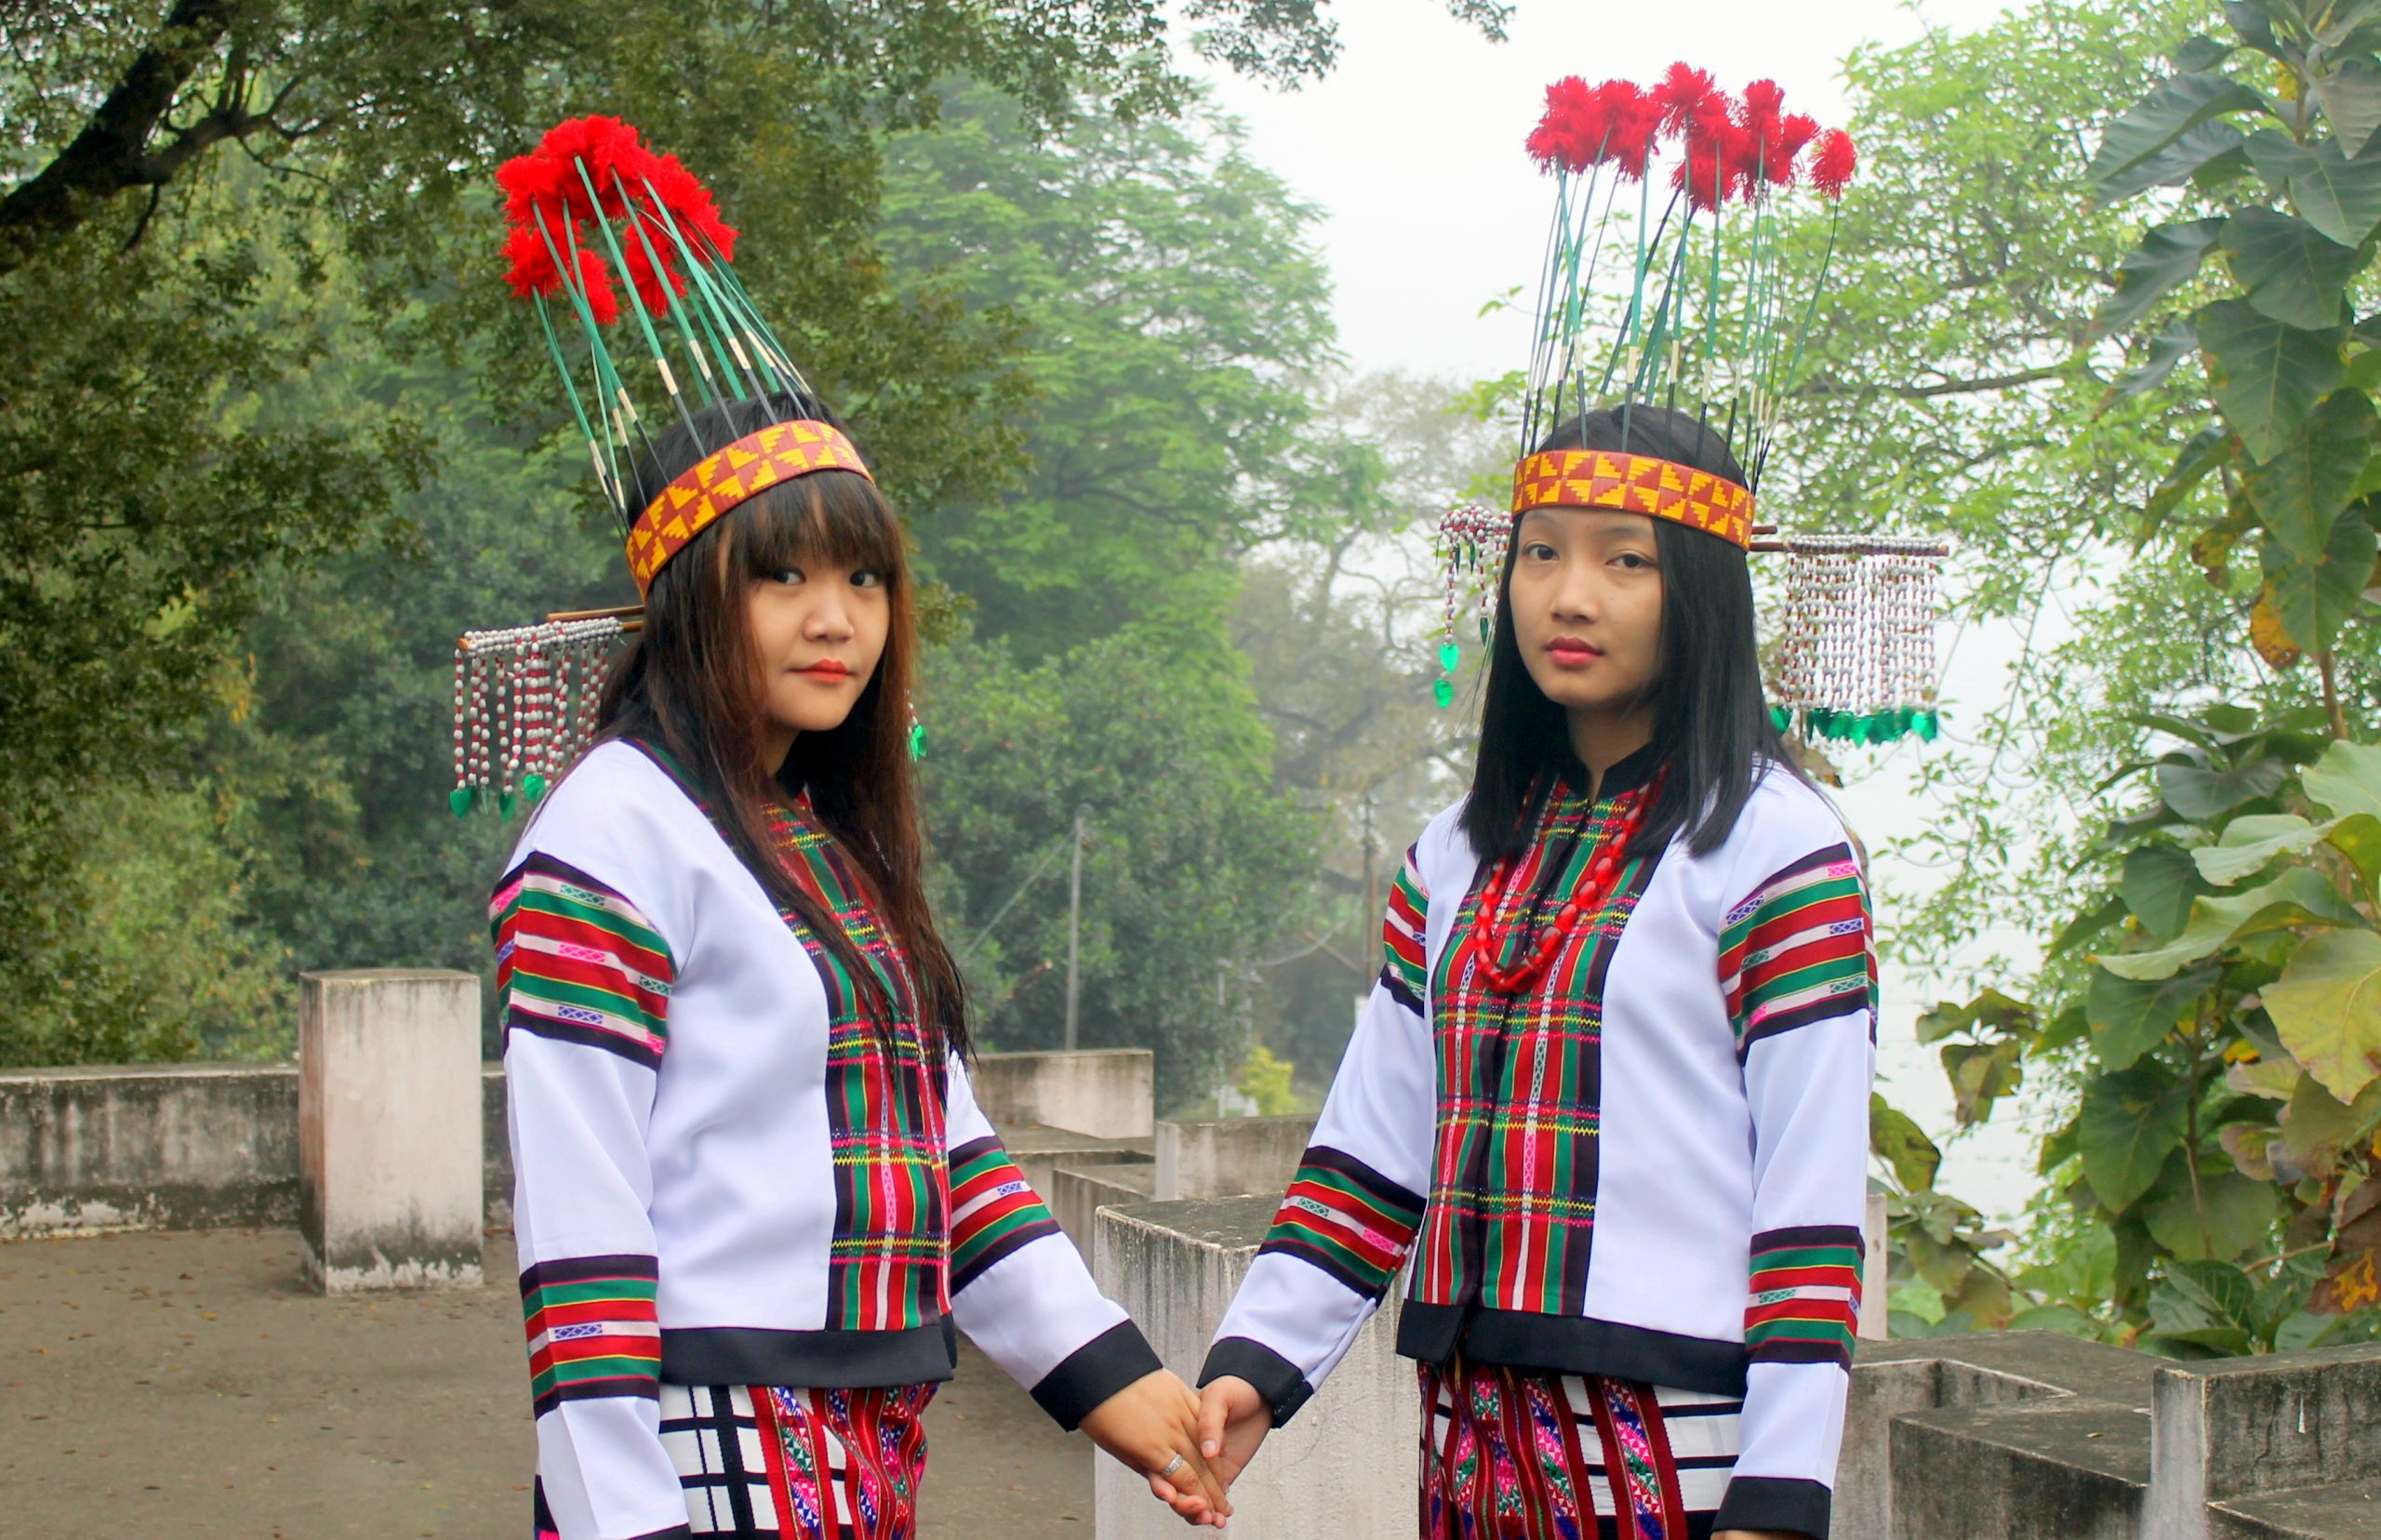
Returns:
<point x="1606" y="1110"/>
<point x="755" y="1197"/>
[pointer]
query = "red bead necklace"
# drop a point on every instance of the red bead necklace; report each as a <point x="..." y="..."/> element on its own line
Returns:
<point x="1587" y="899"/>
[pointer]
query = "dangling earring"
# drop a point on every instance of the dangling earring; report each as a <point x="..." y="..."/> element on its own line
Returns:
<point x="1470" y="544"/>
<point x="917" y="733"/>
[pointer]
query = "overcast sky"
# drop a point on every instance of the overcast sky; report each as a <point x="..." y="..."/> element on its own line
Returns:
<point x="1413" y="145"/>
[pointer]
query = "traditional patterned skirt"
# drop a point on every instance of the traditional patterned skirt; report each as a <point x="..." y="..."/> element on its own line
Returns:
<point x="766" y="1463"/>
<point x="1510" y="1455"/>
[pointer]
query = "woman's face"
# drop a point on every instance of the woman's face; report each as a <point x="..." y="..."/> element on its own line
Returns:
<point x="1587" y="603"/>
<point x="819" y="631"/>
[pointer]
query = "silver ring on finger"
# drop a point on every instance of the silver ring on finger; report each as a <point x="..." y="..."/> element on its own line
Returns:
<point x="1172" y="1465"/>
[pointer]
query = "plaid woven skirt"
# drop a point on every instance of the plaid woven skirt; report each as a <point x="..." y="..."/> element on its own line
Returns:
<point x="1508" y="1454"/>
<point x="766" y="1462"/>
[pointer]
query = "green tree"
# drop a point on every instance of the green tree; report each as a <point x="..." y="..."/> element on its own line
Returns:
<point x="227" y="209"/>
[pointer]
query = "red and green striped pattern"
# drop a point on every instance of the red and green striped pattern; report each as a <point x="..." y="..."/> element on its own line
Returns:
<point x="1521" y="1080"/>
<point x="1797" y="950"/>
<point x="888" y="1264"/>
<point x="577" y="962"/>
<point x="1403" y="969"/>
<point x="994" y="1211"/>
<point x="1346" y="1218"/>
<point x="593" y="1329"/>
<point x="1805" y="1302"/>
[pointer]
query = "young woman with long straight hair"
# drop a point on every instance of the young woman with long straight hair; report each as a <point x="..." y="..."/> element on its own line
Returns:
<point x="1607" y="1105"/>
<point x="755" y="1199"/>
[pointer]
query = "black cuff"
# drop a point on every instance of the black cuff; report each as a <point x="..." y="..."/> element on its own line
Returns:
<point x="1774" y="1503"/>
<point x="1094" y="1372"/>
<point x="1282" y="1383"/>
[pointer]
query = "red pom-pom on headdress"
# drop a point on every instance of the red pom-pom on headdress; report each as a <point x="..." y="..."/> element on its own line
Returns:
<point x="1562" y="139"/>
<point x="1682" y="89"/>
<point x="1634" y="121"/>
<point x="547" y="199"/>
<point x="1831" y="169"/>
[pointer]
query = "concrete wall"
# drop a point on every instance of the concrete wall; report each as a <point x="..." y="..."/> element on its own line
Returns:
<point x="1105" y="1092"/>
<point x="1345" y="1466"/>
<point x="176" y="1147"/>
<point x="1076" y="1195"/>
<point x="100" y="1147"/>
<point x="1230" y="1157"/>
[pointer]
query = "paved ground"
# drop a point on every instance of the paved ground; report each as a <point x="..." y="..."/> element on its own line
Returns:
<point x="188" y="1384"/>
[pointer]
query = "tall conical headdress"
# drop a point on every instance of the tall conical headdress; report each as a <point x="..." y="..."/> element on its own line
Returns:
<point x="1664" y="282"/>
<point x="591" y="205"/>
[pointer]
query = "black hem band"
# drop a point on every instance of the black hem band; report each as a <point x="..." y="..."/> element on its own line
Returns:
<point x="1094" y="1372"/>
<point x="815" y="1361"/>
<point x="1275" y="1377"/>
<point x="1571" y="1345"/>
<point x="1775" y="1503"/>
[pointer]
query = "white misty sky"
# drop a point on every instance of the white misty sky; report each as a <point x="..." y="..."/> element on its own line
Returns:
<point x="1412" y="149"/>
<point x="1413" y="146"/>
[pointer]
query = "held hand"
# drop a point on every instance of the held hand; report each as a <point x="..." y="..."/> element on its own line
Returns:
<point x="1147" y="1426"/>
<point x="1234" y="1419"/>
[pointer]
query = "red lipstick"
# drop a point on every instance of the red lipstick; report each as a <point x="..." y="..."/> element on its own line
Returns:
<point x="1570" y="651"/>
<point x="827" y="668"/>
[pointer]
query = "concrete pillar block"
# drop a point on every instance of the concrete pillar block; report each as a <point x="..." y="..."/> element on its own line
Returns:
<point x="2231" y="1430"/>
<point x="389" y="1128"/>
<point x="1108" y="1093"/>
<point x="1079" y="1192"/>
<point x="1874" y="1283"/>
<point x="1230" y="1157"/>
<point x="1343" y="1468"/>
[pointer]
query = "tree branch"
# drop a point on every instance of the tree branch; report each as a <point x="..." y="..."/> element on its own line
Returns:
<point x="111" y="153"/>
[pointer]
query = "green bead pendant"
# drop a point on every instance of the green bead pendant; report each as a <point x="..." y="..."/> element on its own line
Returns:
<point x="461" y="800"/>
<point x="917" y="740"/>
<point x="1444" y="690"/>
<point x="504" y="804"/>
<point x="1449" y="655"/>
<point x="533" y="786"/>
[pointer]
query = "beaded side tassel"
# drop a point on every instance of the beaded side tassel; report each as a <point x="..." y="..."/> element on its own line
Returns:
<point x="525" y="707"/>
<point x="1856" y="661"/>
<point x="1470" y="546"/>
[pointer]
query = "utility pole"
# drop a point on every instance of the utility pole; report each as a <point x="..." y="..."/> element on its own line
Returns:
<point x="1074" y="923"/>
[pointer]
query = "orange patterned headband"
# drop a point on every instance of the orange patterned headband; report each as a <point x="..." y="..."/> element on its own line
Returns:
<point x="1635" y="483"/>
<point x="720" y="480"/>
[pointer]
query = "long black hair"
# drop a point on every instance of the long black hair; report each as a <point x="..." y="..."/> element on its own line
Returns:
<point x="1711" y="724"/>
<point x="690" y="683"/>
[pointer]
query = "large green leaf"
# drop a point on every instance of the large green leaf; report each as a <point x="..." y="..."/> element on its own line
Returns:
<point x="2201" y="453"/>
<point x="2129" y="1122"/>
<point x="2195" y="1297"/>
<point x="2200" y="794"/>
<point x="2267" y="375"/>
<point x="1902" y="1145"/>
<point x="2158" y="884"/>
<point x="2168" y="255"/>
<point x="2204" y="151"/>
<point x="2176" y="104"/>
<point x="2346" y="781"/>
<point x="2289" y="269"/>
<point x="2130" y="1017"/>
<point x="2327" y="1007"/>
<point x="2300" y="490"/>
<point x="2350" y="96"/>
<point x="2252" y="844"/>
<point x="2317" y="597"/>
<point x="2225" y="1216"/>
<point x="2169" y="348"/>
<point x="2333" y="22"/>
<point x="2338" y="197"/>
<point x="2298" y="896"/>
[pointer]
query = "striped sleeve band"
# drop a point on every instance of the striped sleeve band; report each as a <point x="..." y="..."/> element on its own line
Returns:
<point x="593" y="1329"/>
<point x="576" y="962"/>
<point x="1346" y="1218"/>
<point x="1798" y="950"/>
<point x="994" y="1212"/>
<point x="1804" y="1306"/>
<point x="1402" y="937"/>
